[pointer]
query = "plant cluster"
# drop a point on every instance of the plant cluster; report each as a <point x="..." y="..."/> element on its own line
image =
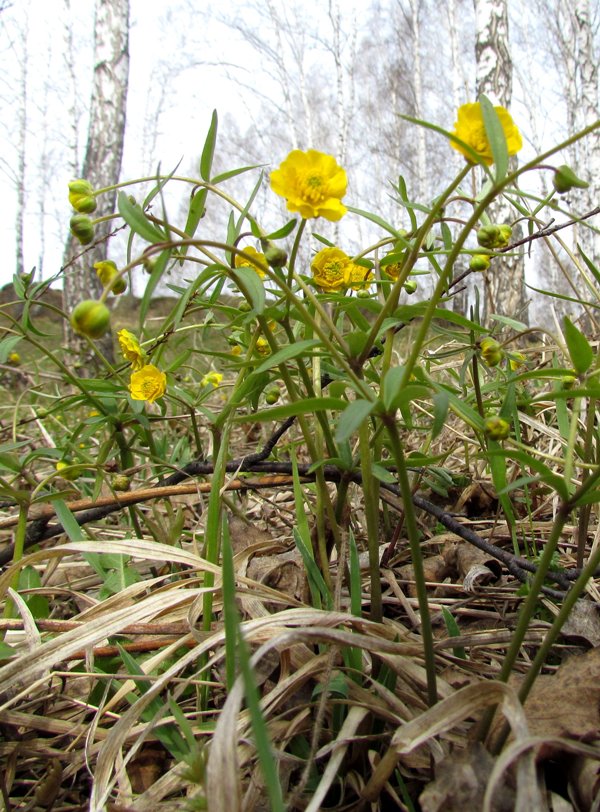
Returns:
<point x="364" y="403"/>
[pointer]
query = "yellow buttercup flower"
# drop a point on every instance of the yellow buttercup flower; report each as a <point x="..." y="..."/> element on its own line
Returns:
<point x="211" y="379"/>
<point x="357" y="277"/>
<point x="330" y="267"/>
<point x="131" y="349"/>
<point x="149" y="384"/>
<point x="242" y="262"/>
<point x="470" y="128"/>
<point x="312" y="183"/>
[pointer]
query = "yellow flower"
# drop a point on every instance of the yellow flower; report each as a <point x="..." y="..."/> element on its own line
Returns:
<point x="211" y="379"/>
<point x="470" y="129"/>
<point x="149" y="383"/>
<point x="516" y="360"/>
<point x="312" y="183"/>
<point x="330" y="267"/>
<point x="262" y="346"/>
<point x="130" y="347"/>
<point x="14" y="359"/>
<point x="108" y="274"/>
<point x="357" y="277"/>
<point x="242" y="262"/>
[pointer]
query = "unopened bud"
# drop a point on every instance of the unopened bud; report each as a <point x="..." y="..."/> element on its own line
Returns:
<point x="487" y="236"/>
<point x="81" y="196"/>
<point x="108" y="274"/>
<point x="66" y="470"/>
<point x="479" y="262"/>
<point x="149" y="264"/>
<point x="410" y="286"/>
<point x="82" y="227"/>
<point x="565" y="179"/>
<point x="120" y="482"/>
<point x="505" y="235"/>
<point x="276" y="257"/>
<point x="491" y="352"/>
<point x="90" y="318"/>
<point x="272" y="395"/>
<point x="496" y="428"/>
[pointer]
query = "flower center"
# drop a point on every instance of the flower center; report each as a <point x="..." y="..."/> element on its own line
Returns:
<point x="149" y="386"/>
<point x="312" y="188"/>
<point x="479" y="140"/>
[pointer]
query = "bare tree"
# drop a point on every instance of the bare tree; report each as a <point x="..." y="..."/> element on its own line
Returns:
<point x="505" y="282"/>
<point x="104" y="150"/>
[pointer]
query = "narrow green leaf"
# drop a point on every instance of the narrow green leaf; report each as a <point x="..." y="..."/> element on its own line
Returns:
<point x="251" y="286"/>
<point x="287" y="353"/>
<point x="136" y="219"/>
<point x="68" y="521"/>
<point x="351" y="418"/>
<point x="580" y="351"/>
<point x="375" y="218"/>
<point x="283" y="231"/>
<point x="155" y="278"/>
<point x="306" y="406"/>
<point x="233" y="172"/>
<point x="441" y="403"/>
<point x="208" y="151"/>
<point x="496" y="137"/>
<point x="453" y="631"/>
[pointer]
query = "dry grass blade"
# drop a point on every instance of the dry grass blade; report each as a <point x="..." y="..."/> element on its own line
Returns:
<point x="465" y="703"/>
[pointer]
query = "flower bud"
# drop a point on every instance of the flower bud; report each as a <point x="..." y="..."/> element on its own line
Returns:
<point x="565" y="179"/>
<point x="62" y="468"/>
<point x="82" y="227"/>
<point x="363" y="294"/>
<point x="516" y="360"/>
<point x="244" y="307"/>
<point x="14" y="359"/>
<point x="487" y="236"/>
<point x="491" y="352"/>
<point x="81" y="196"/>
<point x="505" y="235"/>
<point x="149" y="264"/>
<point x="276" y="257"/>
<point x="272" y="395"/>
<point x="479" y="262"/>
<point x="108" y="274"/>
<point x="120" y="482"/>
<point x="496" y="428"/>
<point x="410" y="286"/>
<point x="90" y="318"/>
<point x="262" y="346"/>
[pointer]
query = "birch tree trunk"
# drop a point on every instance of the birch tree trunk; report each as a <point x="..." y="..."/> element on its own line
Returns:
<point x="505" y="281"/>
<point x="586" y="111"/>
<point x="104" y="151"/>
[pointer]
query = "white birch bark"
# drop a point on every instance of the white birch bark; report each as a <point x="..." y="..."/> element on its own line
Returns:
<point x="104" y="150"/>
<point x="505" y="281"/>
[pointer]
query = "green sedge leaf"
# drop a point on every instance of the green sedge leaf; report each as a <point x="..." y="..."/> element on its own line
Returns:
<point x="208" y="151"/>
<point x="137" y="221"/>
<point x="496" y="137"/>
<point x="580" y="351"/>
<point x="351" y="418"/>
<point x="155" y="277"/>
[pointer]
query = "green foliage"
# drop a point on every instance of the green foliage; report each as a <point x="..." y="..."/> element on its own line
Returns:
<point x="374" y="393"/>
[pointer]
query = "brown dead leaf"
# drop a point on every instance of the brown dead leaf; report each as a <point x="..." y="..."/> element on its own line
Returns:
<point x="584" y="781"/>
<point x="243" y="535"/>
<point x="584" y="622"/>
<point x="146" y="768"/>
<point x="284" y="572"/>
<point x="435" y="570"/>
<point x="460" y="783"/>
<point x="565" y="704"/>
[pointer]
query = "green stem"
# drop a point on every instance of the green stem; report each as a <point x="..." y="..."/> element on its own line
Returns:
<point x="19" y="547"/>
<point x="416" y="555"/>
<point x="370" y="487"/>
